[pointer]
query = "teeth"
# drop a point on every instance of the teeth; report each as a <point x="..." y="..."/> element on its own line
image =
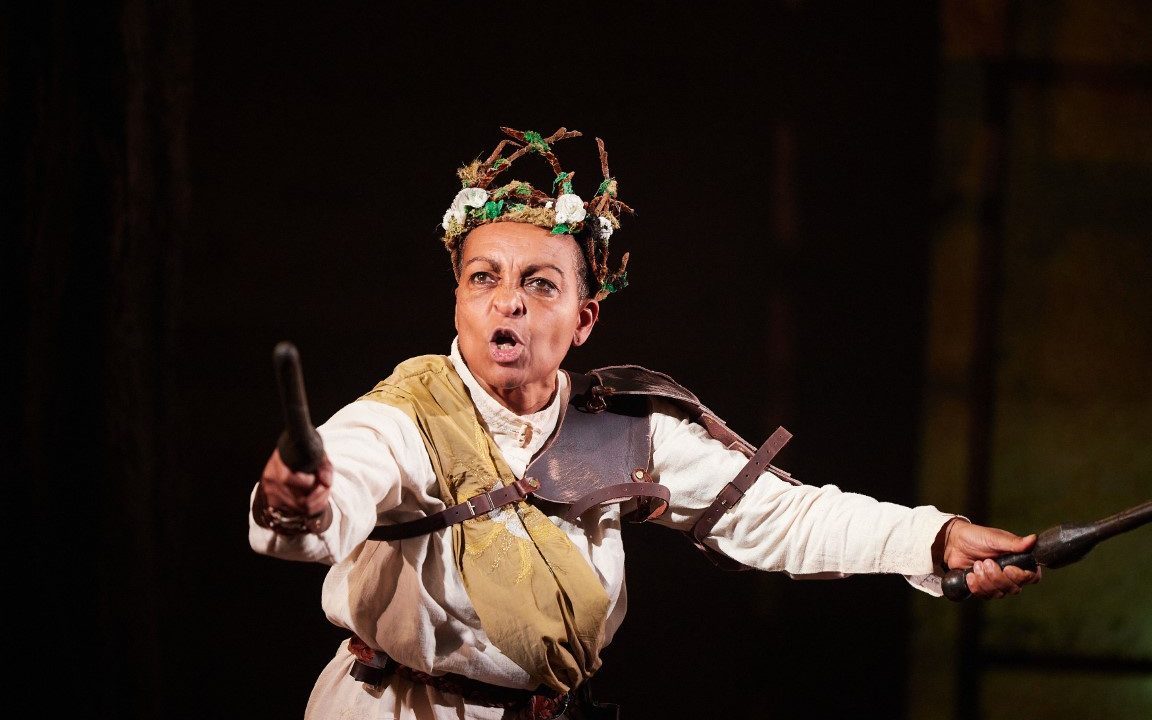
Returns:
<point x="504" y="344"/>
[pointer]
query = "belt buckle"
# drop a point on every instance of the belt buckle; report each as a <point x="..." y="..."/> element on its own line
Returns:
<point x="541" y="704"/>
<point x="472" y="507"/>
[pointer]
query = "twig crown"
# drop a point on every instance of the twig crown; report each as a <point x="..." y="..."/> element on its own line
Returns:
<point x="591" y="223"/>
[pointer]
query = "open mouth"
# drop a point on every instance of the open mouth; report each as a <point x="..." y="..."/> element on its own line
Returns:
<point x="505" y="345"/>
<point x="504" y="340"/>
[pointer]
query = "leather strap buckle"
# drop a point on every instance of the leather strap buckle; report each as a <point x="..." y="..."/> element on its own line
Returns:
<point x="729" y="496"/>
<point x="478" y="508"/>
<point x="475" y="506"/>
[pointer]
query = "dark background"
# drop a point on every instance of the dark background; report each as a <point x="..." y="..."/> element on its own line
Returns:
<point x="186" y="184"/>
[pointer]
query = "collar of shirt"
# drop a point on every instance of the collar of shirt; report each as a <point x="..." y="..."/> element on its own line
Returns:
<point x="518" y="436"/>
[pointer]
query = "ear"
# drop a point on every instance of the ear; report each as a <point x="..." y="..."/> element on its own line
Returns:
<point x="588" y="316"/>
<point x="456" y="309"/>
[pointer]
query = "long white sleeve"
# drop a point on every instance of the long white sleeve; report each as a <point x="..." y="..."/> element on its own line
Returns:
<point x="801" y="530"/>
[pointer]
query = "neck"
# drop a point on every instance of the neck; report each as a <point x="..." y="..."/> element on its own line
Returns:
<point x="523" y="399"/>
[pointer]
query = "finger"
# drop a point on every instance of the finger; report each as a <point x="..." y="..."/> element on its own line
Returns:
<point x="975" y="579"/>
<point x="294" y="492"/>
<point x="285" y="501"/>
<point x="1026" y="543"/>
<point x="1007" y="580"/>
<point x="317" y="497"/>
<point x="1020" y="576"/>
<point x="309" y="504"/>
<point x="324" y="472"/>
<point x="287" y="488"/>
<point x="300" y="483"/>
<point x="275" y="469"/>
<point x="276" y="472"/>
<point x="996" y="575"/>
<point x="988" y="581"/>
<point x="994" y="541"/>
<point x="966" y="543"/>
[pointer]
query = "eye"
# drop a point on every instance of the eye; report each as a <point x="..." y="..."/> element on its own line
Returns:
<point x="541" y="286"/>
<point x="481" y="278"/>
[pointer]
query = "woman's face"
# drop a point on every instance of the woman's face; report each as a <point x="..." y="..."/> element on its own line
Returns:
<point x="519" y="309"/>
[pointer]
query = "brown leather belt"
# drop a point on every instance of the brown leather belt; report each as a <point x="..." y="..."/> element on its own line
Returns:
<point x="374" y="667"/>
<point x="474" y="506"/>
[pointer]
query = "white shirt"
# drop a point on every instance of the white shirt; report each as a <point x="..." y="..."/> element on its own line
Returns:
<point x="418" y="611"/>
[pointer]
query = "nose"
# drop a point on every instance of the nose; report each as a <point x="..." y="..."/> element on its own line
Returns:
<point x="508" y="301"/>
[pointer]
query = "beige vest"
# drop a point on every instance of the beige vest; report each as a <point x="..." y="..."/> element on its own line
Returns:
<point x="537" y="597"/>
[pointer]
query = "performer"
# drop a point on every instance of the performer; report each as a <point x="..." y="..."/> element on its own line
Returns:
<point x="470" y="505"/>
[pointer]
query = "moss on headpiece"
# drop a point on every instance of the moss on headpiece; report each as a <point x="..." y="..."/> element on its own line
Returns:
<point x="591" y="223"/>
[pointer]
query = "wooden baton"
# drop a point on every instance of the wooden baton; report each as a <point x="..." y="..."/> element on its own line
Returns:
<point x="299" y="445"/>
<point x="1057" y="546"/>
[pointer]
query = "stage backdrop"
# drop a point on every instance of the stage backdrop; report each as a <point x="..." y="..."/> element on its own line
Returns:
<point x="915" y="235"/>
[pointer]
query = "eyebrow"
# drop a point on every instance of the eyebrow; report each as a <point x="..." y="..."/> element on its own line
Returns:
<point x="528" y="269"/>
<point x="542" y="266"/>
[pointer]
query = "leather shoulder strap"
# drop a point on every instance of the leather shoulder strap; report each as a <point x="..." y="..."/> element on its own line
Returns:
<point x="623" y="380"/>
<point x="475" y="506"/>
<point x="636" y="380"/>
<point x="731" y="494"/>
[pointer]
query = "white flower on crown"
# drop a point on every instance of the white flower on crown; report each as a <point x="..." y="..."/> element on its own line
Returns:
<point x="605" y="227"/>
<point x="466" y="198"/>
<point x="569" y="209"/>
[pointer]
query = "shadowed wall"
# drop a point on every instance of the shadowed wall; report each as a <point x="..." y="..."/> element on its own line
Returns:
<point x="185" y="187"/>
